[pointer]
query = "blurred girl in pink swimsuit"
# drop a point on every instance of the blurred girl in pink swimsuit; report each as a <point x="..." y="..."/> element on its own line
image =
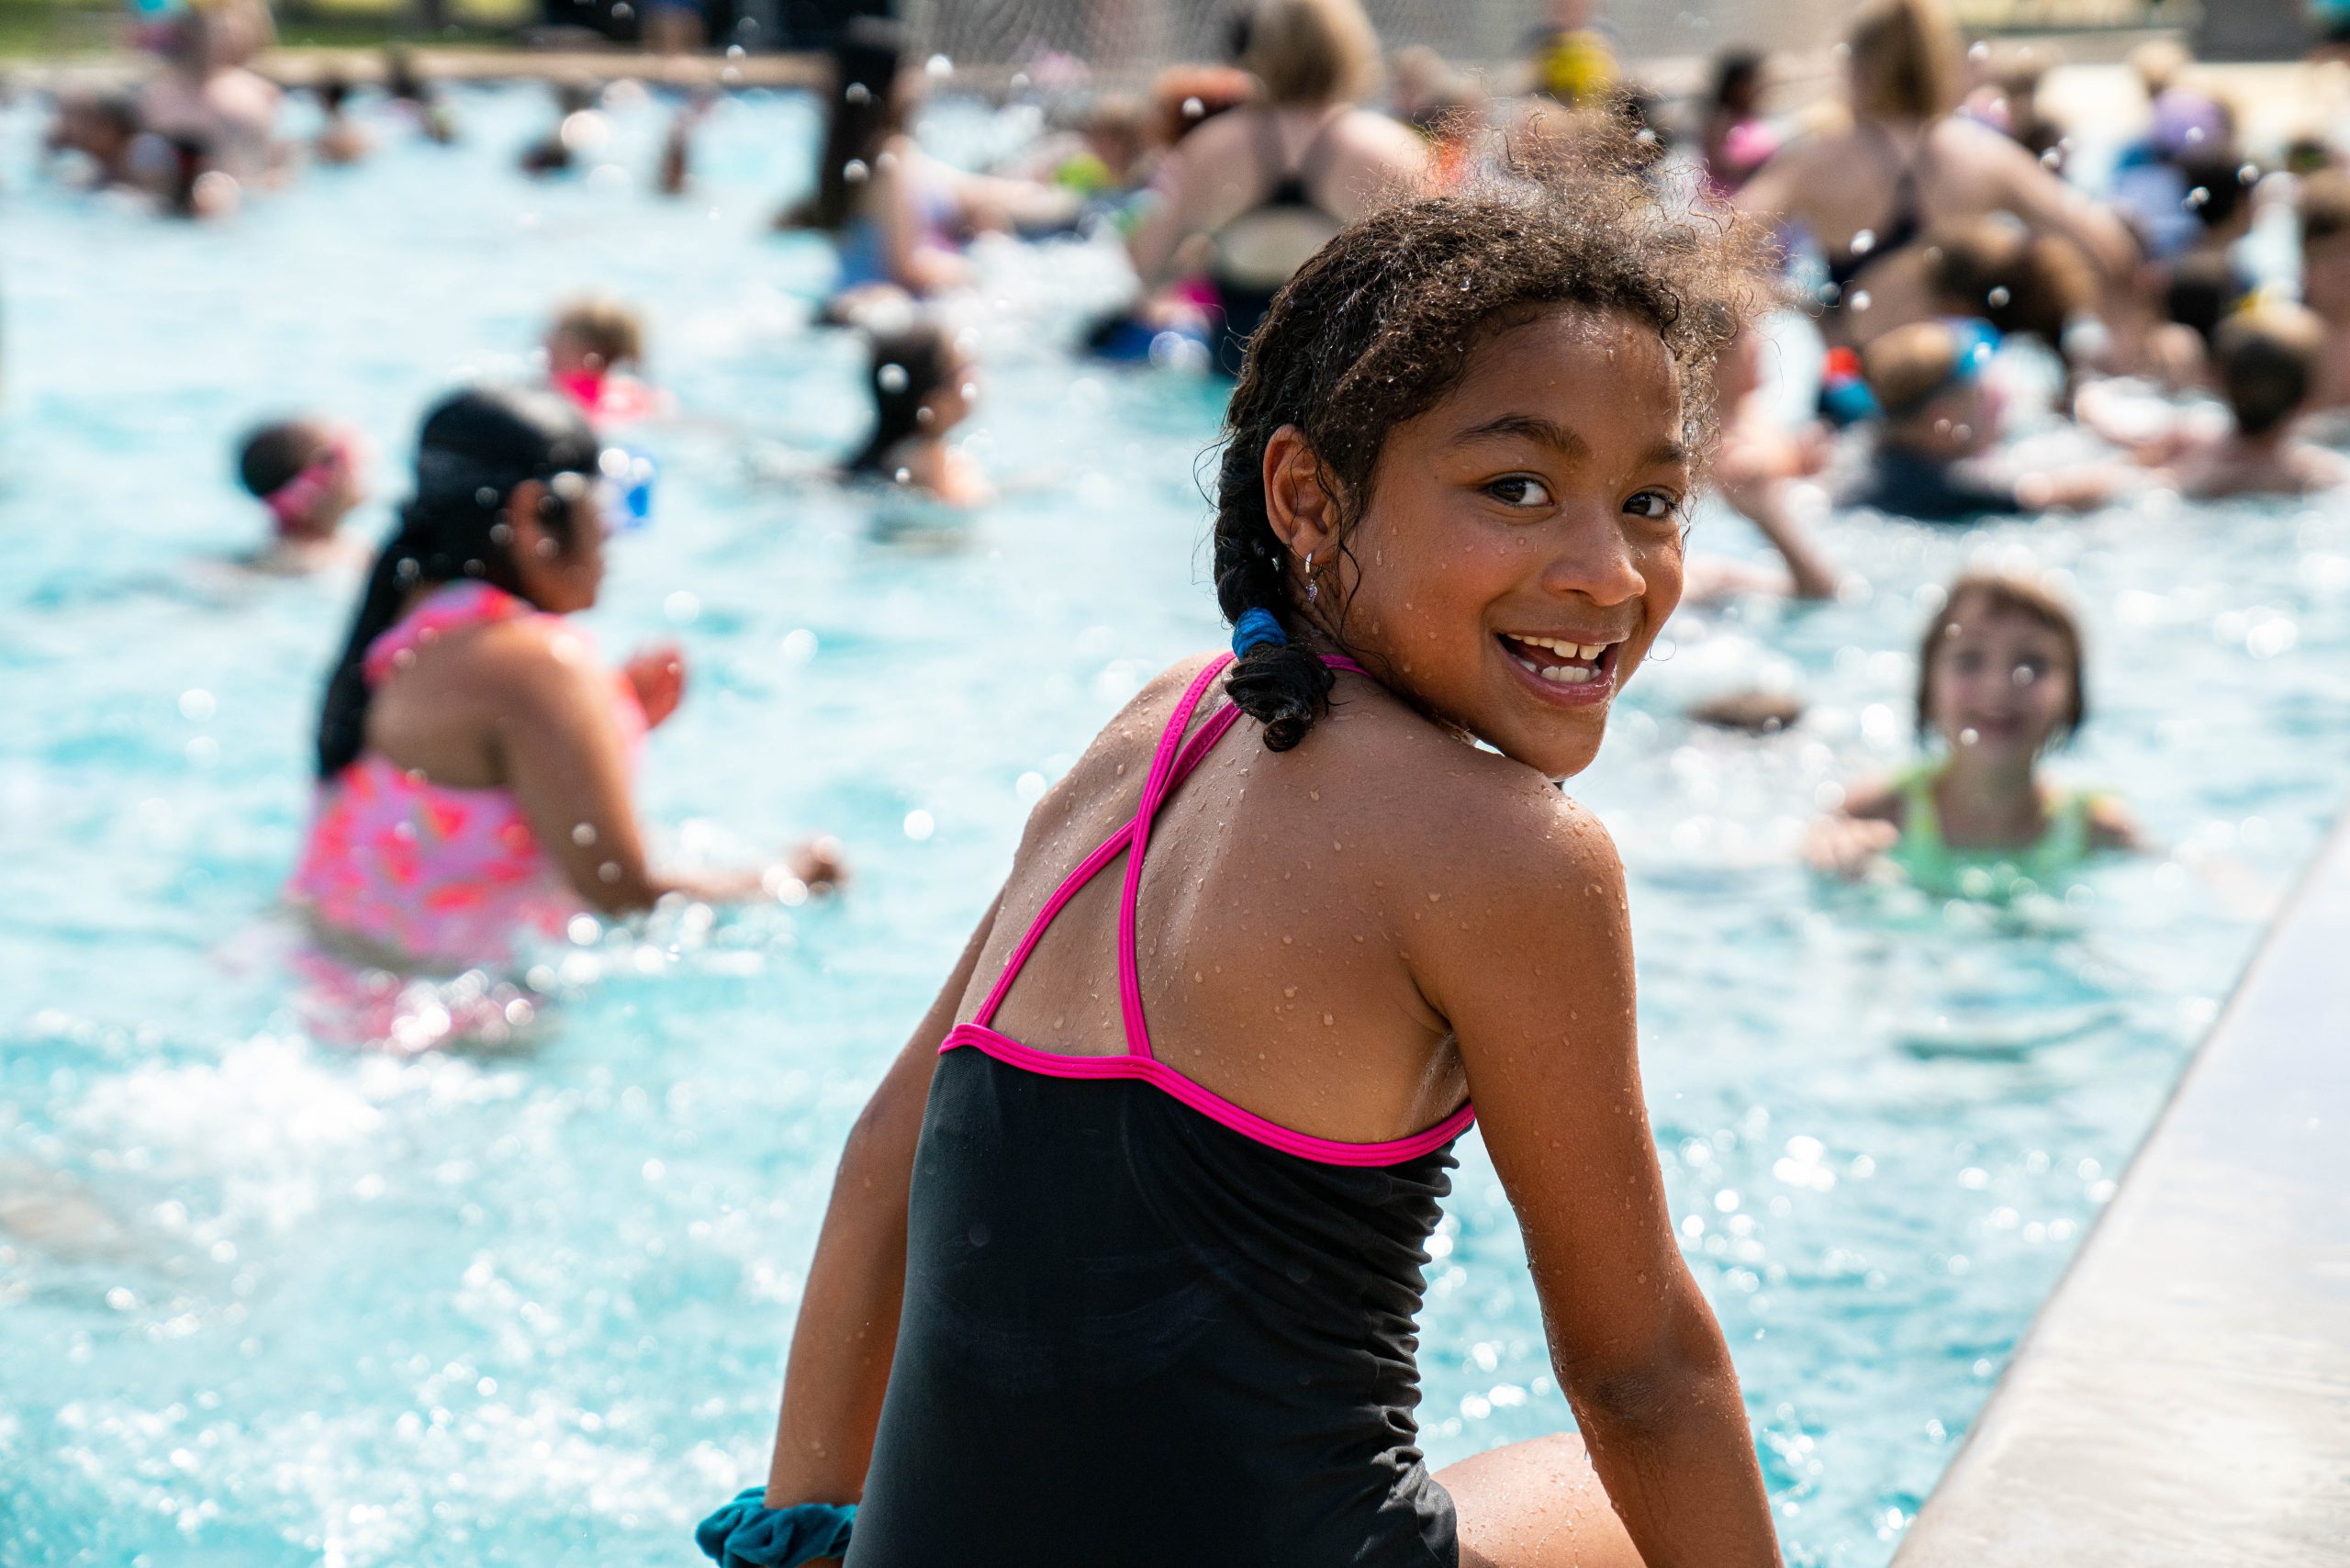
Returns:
<point x="475" y="757"/>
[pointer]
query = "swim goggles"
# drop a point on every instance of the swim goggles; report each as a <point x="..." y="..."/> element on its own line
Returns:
<point x="1974" y="343"/>
<point x="290" y="504"/>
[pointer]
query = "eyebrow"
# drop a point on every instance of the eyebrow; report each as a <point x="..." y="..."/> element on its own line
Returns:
<point x="1549" y="433"/>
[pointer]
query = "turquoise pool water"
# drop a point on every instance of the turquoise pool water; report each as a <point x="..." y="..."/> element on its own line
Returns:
<point x="265" y="1299"/>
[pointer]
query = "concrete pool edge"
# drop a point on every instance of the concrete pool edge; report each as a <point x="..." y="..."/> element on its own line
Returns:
<point x="2183" y="1397"/>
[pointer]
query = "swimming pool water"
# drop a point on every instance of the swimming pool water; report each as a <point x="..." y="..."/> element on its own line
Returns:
<point x="268" y="1299"/>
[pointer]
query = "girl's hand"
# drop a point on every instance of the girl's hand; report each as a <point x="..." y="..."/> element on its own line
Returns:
<point x="1848" y="846"/>
<point x="658" y="674"/>
<point x="817" y="861"/>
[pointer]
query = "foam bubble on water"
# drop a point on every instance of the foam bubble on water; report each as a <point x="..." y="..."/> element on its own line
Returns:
<point x="260" y="1104"/>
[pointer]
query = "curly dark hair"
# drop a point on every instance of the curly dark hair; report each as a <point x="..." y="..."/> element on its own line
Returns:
<point x="1380" y="324"/>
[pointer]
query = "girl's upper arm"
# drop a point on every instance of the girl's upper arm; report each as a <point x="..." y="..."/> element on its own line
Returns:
<point x="566" y="762"/>
<point x="1536" y="984"/>
<point x="890" y="190"/>
<point x="2048" y="204"/>
<point x="1174" y="216"/>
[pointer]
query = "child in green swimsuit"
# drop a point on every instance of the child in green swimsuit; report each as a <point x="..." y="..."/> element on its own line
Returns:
<point x="1999" y="681"/>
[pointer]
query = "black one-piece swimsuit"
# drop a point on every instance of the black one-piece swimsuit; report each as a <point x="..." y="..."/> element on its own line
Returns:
<point x="1143" y="1326"/>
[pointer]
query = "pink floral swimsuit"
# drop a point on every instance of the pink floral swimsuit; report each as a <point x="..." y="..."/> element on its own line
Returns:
<point x="432" y="872"/>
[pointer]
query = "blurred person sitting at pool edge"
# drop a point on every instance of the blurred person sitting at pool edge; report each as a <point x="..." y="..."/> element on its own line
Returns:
<point x="1931" y="459"/>
<point x="1262" y="187"/>
<point x="1867" y="192"/>
<point x="922" y="385"/>
<point x="308" y="474"/>
<point x="899" y="217"/>
<point x="474" y="756"/>
<point x="2001" y="679"/>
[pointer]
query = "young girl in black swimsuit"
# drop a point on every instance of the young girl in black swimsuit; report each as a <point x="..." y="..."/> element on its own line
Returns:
<point x="1124" y="1259"/>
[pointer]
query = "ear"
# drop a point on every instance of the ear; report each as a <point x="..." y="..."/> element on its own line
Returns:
<point x="534" y="545"/>
<point x="1300" y="502"/>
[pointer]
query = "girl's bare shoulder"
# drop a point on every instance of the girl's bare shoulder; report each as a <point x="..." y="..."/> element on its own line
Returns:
<point x="1454" y="819"/>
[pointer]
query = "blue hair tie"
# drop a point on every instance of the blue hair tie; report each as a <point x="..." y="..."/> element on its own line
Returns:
<point x="1255" y="628"/>
<point x="747" y="1534"/>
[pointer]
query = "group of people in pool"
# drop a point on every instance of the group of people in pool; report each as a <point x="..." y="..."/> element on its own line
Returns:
<point x="202" y="131"/>
<point x="1125" y="1254"/>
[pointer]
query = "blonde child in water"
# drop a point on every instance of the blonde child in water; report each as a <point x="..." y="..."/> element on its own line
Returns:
<point x="2000" y="680"/>
<point x="1145" y="1199"/>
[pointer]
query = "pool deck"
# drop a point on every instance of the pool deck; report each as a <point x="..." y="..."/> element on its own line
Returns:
<point x="2182" y="1400"/>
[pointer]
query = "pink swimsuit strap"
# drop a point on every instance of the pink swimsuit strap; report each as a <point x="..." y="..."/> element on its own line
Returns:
<point x="1170" y="765"/>
<point x="450" y="607"/>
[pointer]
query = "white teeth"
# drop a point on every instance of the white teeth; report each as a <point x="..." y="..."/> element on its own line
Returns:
<point x="1567" y="650"/>
<point x="1566" y="675"/>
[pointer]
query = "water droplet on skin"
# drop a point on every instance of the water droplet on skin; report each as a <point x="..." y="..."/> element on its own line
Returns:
<point x="584" y="835"/>
<point x="1289" y="991"/>
<point x="1313" y="794"/>
<point x="1328" y="1020"/>
<point x="1286" y="941"/>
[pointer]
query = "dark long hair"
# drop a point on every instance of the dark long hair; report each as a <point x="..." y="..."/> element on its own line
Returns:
<point x="863" y="111"/>
<point x="1377" y="327"/>
<point x="476" y="446"/>
<point x="908" y="366"/>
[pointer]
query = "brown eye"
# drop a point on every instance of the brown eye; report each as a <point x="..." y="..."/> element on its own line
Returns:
<point x="1519" y="490"/>
<point x="1653" y="505"/>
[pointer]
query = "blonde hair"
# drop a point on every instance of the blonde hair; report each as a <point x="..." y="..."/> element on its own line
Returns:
<point x="605" y="326"/>
<point x="1905" y="58"/>
<point x="1311" y="52"/>
<point x="1910" y="366"/>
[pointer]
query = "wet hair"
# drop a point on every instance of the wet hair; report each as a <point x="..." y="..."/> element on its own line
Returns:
<point x="606" y="326"/>
<point x="404" y="81"/>
<point x="1905" y="58"/>
<point x="907" y="365"/>
<point x="1311" y="51"/>
<point x="864" y="109"/>
<point x="2023" y="283"/>
<point x="2203" y="288"/>
<point x="2325" y="205"/>
<point x="333" y="92"/>
<point x="1380" y="325"/>
<point x="1735" y="71"/>
<point x="2221" y="180"/>
<point x="2267" y="361"/>
<point x="2000" y="593"/>
<point x="271" y="456"/>
<point x="476" y="447"/>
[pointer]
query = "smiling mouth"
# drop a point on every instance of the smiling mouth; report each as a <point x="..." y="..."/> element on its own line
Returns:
<point x="1554" y="661"/>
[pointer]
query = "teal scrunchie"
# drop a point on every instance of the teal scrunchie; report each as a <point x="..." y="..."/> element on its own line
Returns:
<point x="747" y="1534"/>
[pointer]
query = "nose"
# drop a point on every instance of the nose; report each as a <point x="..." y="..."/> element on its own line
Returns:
<point x="1590" y="558"/>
